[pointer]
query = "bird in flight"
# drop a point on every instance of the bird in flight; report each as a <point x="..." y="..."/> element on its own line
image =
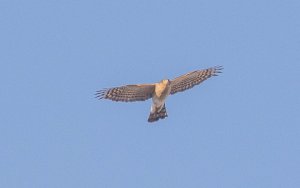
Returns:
<point x="158" y="91"/>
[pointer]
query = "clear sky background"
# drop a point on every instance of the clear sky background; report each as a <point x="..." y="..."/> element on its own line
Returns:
<point x="240" y="129"/>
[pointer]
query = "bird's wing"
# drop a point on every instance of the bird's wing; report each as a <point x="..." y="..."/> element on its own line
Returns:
<point x="127" y="93"/>
<point x="191" y="79"/>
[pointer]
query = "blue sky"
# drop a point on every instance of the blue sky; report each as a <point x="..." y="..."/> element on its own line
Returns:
<point x="240" y="129"/>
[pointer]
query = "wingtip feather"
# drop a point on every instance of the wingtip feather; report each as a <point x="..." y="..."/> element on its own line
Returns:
<point x="100" y="94"/>
<point x="217" y="70"/>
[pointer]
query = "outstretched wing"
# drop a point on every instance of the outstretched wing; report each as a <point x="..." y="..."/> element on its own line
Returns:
<point x="128" y="93"/>
<point x="191" y="79"/>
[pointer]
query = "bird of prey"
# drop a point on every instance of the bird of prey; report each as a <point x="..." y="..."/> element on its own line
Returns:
<point x="157" y="91"/>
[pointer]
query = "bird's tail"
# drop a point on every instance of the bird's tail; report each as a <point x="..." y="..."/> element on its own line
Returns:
<point x="158" y="114"/>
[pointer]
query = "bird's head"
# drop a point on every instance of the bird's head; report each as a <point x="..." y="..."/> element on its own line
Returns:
<point x="166" y="81"/>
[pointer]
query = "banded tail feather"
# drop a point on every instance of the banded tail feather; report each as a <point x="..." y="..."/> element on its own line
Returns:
<point x="156" y="115"/>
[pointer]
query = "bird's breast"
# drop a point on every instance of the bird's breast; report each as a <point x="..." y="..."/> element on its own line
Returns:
<point x="162" y="91"/>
